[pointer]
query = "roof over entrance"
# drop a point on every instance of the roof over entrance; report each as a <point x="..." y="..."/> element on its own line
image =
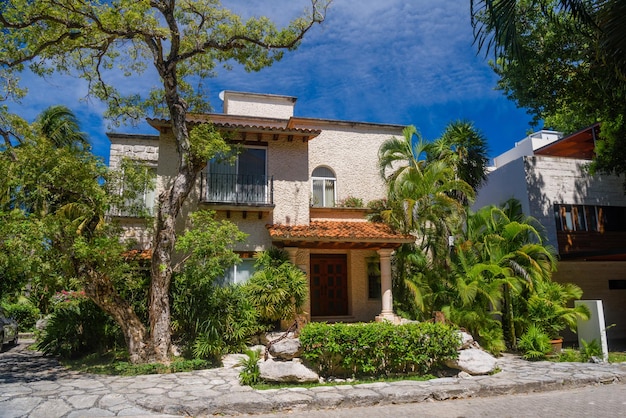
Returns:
<point x="337" y="234"/>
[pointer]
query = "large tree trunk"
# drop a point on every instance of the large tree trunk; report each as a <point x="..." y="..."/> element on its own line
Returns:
<point x="170" y="203"/>
<point x="100" y="289"/>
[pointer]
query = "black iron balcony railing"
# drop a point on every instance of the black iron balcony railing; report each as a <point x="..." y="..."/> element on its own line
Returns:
<point x="237" y="189"/>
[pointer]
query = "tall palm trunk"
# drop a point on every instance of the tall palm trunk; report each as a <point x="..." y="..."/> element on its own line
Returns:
<point x="508" y="317"/>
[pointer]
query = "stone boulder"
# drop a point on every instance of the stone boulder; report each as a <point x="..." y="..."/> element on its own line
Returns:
<point x="286" y="371"/>
<point x="474" y="362"/>
<point x="286" y="349"/>
<point x="467" y="341"/>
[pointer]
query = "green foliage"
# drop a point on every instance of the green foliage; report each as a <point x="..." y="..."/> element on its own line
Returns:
<point x="24" y="312"/>
<point x="207" y="318"/>
<point x="77" y="327"/>
<point x="351" y="202"/>
<point x="377" y="349"/>
<point x="116" y="363"/>
<point x="90" y="38"/>
<point x="277" y="289"/>
<point x="548" y="310"/>
<point x="558" y="67"/>
<point x="250" y="373"/>
<point x="226" y="322"/>
<point x="207" y="248"/>
<point x="534" y="344"/>
<point x="589" y="350"/>
<point x="617" y="357"/>
<point x="180" y="41"/>
<point x="569" y="355"/>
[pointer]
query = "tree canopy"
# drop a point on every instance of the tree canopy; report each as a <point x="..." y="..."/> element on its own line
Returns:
<point x="564" y="61"/>
<point x="183" y="42"/>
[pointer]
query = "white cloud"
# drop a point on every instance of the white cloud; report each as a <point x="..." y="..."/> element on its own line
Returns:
<point x="389" y="61"/>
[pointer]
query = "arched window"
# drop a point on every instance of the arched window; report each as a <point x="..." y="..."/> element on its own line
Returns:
<point x="324" y="187"/>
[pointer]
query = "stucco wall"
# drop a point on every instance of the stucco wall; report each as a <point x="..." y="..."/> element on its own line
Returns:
<point x="502" y="184"/>
<point x="593" y="277"/>
<point x="288" y="164"/>
<point x="258" y="238"/>
<point x="565" y="180"/>
<point x="353" y="156"/>
<point x="261" y="105"/>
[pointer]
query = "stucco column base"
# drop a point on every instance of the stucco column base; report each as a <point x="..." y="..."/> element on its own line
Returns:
<point x="389" y="317"/>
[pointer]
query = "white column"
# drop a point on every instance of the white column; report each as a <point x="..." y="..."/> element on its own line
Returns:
<point x="385" y="286"/>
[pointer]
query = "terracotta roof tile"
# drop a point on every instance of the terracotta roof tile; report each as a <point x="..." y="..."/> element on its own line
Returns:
<point x="337" y="231"/>
<point x="244" y="123"/>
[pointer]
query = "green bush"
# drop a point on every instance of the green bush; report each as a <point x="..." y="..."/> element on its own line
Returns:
<point x="250" y="373"/>
<point x="534" y="344"/>
<point x="378" y="349"/>
<point x="78" y="326"/>
<point x="25" y="313"/>
<point x="589" y="350"/>
<point x="278" y="289"/>
<point x="211" y="320"/>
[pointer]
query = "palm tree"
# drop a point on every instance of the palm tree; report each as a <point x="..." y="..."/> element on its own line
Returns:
<point x="465" y="147"/>
<point x="420" y="202"/>
<point x="513" y="255"/>
<point x="59" y="125"/>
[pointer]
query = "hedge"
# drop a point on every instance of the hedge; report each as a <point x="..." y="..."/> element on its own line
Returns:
<point x="378" y="349"/>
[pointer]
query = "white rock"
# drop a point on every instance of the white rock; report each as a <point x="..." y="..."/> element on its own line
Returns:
<point x="467" y="340"/>
<point x="286" y="349"/>
<point x="286" y="371"/>
<point x="474" y="362"/>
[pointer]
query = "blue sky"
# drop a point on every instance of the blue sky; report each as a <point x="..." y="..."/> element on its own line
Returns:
<point x="392" y="61"/>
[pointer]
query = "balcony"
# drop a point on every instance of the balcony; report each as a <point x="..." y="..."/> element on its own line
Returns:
<point x="236" y="190"/>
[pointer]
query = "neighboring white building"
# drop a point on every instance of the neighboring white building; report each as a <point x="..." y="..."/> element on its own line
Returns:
<point x="584" y="216"/>
<point x="286" y="189"/>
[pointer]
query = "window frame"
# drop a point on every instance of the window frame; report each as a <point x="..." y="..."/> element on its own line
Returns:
<point x="235" y="167"/>
<point x="323" y="180"/>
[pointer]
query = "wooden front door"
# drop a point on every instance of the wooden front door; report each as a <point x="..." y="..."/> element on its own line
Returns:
<point x="329" y="285"/>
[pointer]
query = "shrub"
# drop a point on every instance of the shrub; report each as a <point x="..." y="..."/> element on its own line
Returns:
<point x="250" y="374"/>
<point x="213" y="320"/>
<point x="351" y="202"/>
<point x="278" y="289"/>
<point x="377" y="349"/>
<point x="78" y="326"/>
<point x="534" y="344"/>
<point x="589" y="350"/>
<point x="25" y="313"/>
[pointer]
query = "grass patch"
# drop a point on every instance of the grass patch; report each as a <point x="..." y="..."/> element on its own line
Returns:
<point x="116" y="363"/>
<point x="617" y="357"/>
<point x="574" y="355"/>
<point x="344" y="382"/>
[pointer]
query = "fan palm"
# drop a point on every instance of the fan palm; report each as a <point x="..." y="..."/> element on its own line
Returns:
<point x="466" y="149"/>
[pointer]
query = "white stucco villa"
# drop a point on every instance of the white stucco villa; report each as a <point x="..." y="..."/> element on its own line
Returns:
<point x="584" y="216"/>
<point x="286" y="190"/>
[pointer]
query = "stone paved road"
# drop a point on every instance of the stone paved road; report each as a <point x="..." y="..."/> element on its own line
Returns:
<point x="590" y="401"/>
<point x="35" y="386"/>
